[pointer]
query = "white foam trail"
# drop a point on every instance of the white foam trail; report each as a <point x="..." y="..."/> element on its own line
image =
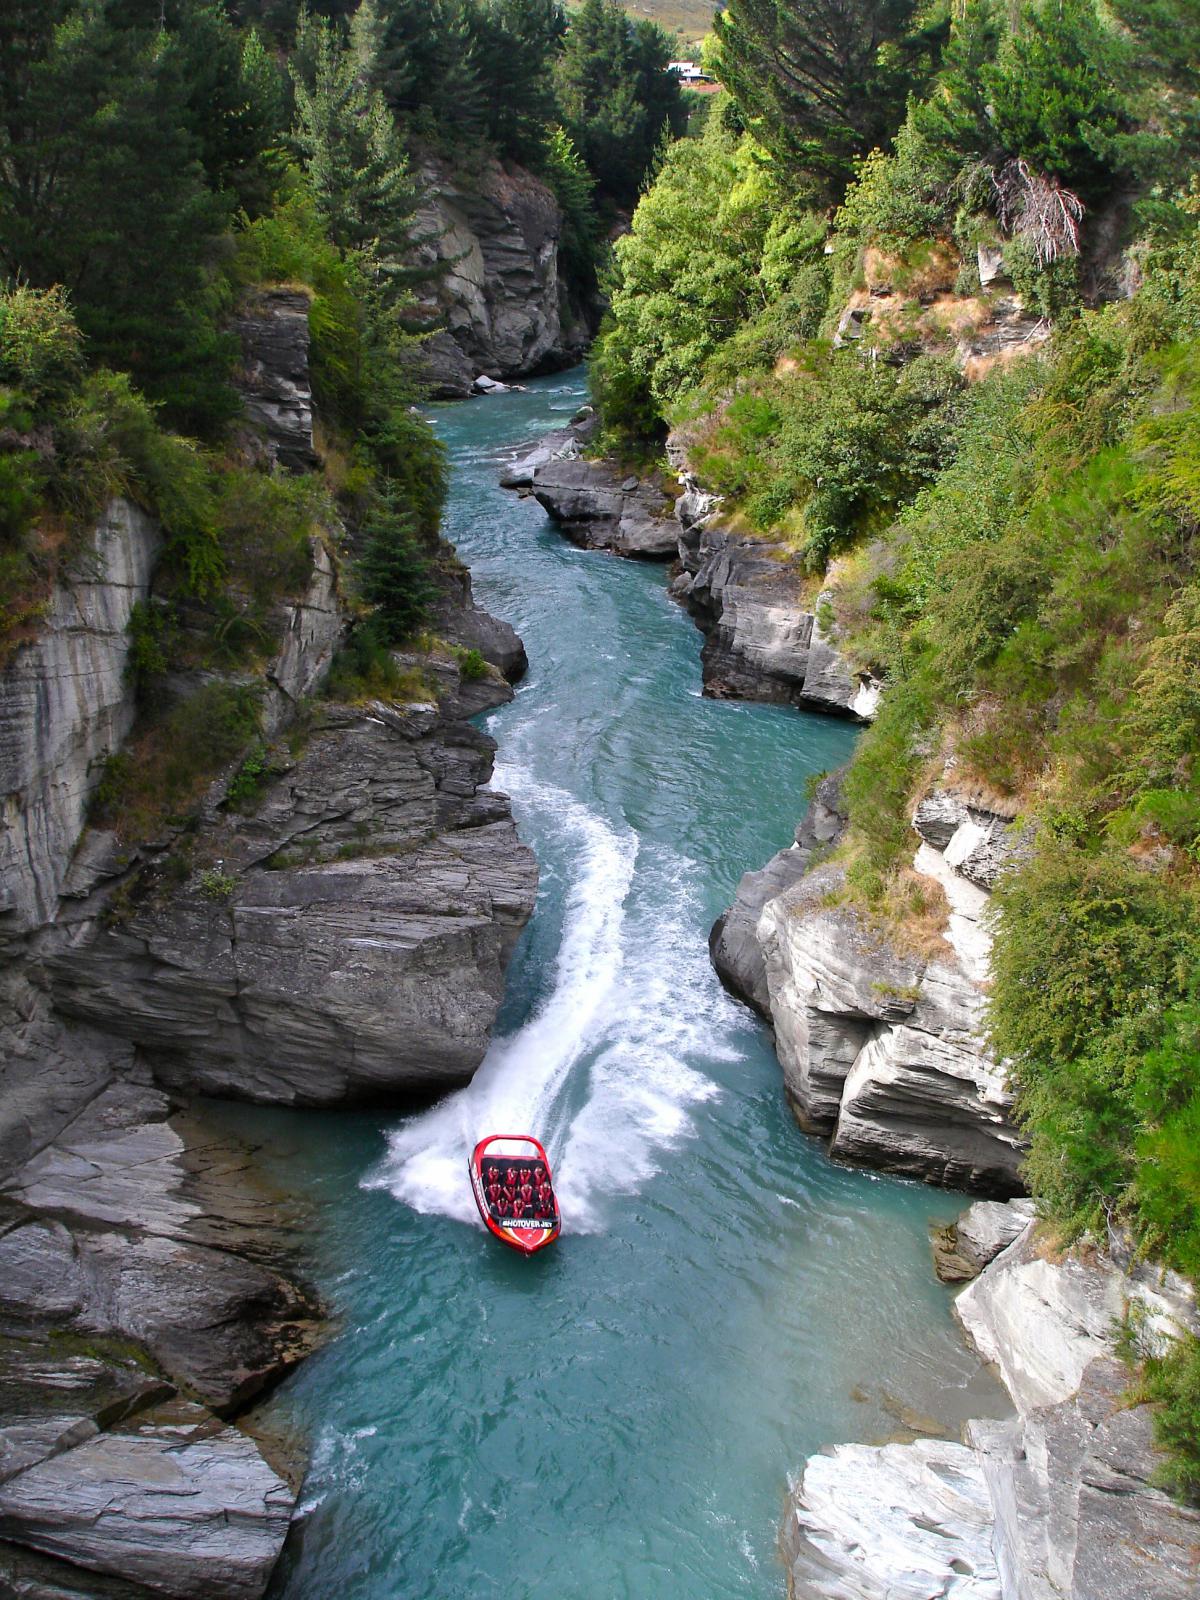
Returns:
<point x="633" y="991"/>
<point x="515" y="1088"/>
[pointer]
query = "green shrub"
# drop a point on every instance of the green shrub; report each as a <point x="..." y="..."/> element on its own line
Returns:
<point x="472" y="666"/>
<point x="1173" y="1383"/>
<point x="41" y="347"/>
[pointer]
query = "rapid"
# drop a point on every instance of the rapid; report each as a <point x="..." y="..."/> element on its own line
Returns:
<point x="616" y="1418"/>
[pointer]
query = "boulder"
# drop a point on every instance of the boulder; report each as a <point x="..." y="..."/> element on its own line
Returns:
<point x="599" y="507"/>
<point x="348" y="942"/>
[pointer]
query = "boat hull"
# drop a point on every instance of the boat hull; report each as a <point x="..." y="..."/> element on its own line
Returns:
<point x="525" y="1225"/>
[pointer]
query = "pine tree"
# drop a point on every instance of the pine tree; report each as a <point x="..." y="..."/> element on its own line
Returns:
<point x="822" y="81"/>
<point x="353" y="155"/>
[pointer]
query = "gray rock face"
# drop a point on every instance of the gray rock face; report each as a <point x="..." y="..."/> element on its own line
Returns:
<point x="601" y="508"/>
<point x="1056" y="1503"/>
<point x="64" y="708"/>
<point x="1076" y="1512"/>
<point x="761" y="641"/>
<point x="504" y="310"/>
<point x="274" y="380"/>
<point x="733" y="942"/>
<point x="897" y="1522"/>
<point x="137" y="1253"/>
<point x="457" y="617"/>
<point x="171" y="1498"/>
<point x="882" y="1048"/>
<point x="962" y="1250"/>
<point x="356" y="944"/>
<point x="315" y="626"/>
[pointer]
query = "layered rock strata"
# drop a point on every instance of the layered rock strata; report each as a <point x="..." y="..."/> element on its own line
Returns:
<point x="347" y="938"/>
<point x="274" y="380"/>
<point x="491" y="242"/>
<point x="64" y="709"/>
<point x="1056" y="1503"/>
<point x="762" y="640"/>
<point x="599" y="507"/>
<point x="881" y="1044"/>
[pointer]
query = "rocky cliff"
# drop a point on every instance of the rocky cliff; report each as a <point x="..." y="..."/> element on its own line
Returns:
<point x="763" y="640"/>
<point x="491" y="238"/>
<point x="334" y="930"/>
<point x="881" y="1041"/>
<point x="1056" y="1503"/>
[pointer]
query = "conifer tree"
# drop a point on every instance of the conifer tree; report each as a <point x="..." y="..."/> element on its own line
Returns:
<point x="822" y="81"/>
<point x="356" y="164"/>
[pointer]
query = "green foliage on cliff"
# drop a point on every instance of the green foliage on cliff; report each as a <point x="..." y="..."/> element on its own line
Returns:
<point x="1017" y="556"/>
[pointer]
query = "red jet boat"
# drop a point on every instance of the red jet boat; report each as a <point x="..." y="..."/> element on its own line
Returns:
<point x="514" y="1191"/>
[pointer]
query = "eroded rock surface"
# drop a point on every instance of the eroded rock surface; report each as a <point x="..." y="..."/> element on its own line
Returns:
<point x="65" y="707"/>
<point x="495" y="236"/>
<point x="274" y="380"/>
<point x="348" y="941"/>
<point x="763" y="639"/>
<point x="897" y="1522"/>
<point x="1057" y="1502"/>
<point x="882" y="1041"/>
<point x="600" y="507"/>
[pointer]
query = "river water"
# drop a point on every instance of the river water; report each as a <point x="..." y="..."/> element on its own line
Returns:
<point x="615" y="1419"/>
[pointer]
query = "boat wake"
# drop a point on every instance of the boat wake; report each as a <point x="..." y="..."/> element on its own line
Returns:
<point x="599" y="1068"/>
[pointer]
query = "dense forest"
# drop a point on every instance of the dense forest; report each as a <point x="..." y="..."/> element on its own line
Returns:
<point x="161" y="161"/>
<point x="1006" y="535"/>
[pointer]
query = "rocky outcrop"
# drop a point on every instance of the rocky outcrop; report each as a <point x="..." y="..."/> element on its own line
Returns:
<point x="491" y="237"/>
<point x="347" y="939"/>
<point x="561" y="444"/>
<point x="1070" y="1476"/>
<point x="763" y="641"/>
<point x="600" y="507"/>
<point x="882" y="1043"/>
<point x="733" y="942"/>
<point x="1056" y="1503"/>
<point x="897" y="1522"/>
<point x="964" y="1248"/>
<point x="64" y="709"/>
<point x="274" y="379"/>
<point x="141" y="1260"/>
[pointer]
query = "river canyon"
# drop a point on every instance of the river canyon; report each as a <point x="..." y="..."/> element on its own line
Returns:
<point x="620" y="1416"/>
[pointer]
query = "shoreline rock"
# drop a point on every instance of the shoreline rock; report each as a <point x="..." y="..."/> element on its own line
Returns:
<point x="882" y="1046"/>
<point x="1056" y="1502"/>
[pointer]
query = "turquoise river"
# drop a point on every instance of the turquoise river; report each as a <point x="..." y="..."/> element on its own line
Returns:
<point x="617" y="1418"/>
